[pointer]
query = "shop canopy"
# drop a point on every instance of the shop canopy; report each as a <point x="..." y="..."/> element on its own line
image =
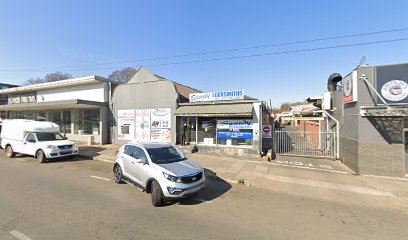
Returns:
<point x="215" y="110"/>
<point x="384" y="111"/>
<point x="64" y="104"/>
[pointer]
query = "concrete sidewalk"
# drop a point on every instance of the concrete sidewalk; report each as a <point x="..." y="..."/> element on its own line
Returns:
<point x="290" y="174"/>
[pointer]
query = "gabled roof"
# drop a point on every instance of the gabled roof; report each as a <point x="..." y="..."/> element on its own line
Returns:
<point x="181" y="89"/>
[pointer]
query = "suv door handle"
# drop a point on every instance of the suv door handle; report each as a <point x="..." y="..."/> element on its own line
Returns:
<point x="133" y="162"/>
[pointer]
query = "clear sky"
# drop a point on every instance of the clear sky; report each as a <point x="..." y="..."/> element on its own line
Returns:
<point x="47" y="34"/>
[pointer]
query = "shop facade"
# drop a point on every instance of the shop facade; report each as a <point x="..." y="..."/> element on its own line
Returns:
<point x="151" y="108"/>
<point x="223" y="126"/>
<point x="80" y="106"/>
<point x="371" y="107"/>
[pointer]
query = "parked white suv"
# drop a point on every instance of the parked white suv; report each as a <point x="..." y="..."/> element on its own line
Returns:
<point x="160" y="169"/>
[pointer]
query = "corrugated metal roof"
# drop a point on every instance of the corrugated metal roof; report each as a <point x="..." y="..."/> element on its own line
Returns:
<point x="240" y="109"/>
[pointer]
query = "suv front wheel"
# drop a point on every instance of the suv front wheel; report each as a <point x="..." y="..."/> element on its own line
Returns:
<point x="157" y="194"/>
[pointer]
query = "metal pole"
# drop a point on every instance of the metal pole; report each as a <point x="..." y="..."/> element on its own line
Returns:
<point x="337" y="133"/>
<point x="196" y="127"/>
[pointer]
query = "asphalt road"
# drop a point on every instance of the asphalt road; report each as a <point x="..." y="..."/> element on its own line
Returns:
<point x="73" y="200"/>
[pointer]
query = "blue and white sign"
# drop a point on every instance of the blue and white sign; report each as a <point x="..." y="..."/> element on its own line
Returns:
<point x="241" y="135"/>
<point x="234" y="124"/>
<point x="216" y="96"/>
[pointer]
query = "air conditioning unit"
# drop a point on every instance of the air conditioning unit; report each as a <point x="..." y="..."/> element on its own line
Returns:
<point x="326" y="102"/>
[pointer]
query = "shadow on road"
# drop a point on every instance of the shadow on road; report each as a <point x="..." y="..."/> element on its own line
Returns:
<point x="215" y="187"/>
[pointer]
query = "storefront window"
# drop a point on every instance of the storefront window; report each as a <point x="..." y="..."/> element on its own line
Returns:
<point x="27" y="115"/>
<point x="63" y="119"/>
<point x="207" y="130"/>
<point x="88" y="121"/>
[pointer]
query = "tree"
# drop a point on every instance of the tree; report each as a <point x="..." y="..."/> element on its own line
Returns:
<point x="285" y="107"/>
<point x="123" y="75"/>
<point x="50" y="77"/>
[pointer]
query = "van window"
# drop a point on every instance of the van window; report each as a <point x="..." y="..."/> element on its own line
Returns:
<point x="42" y="137"/>
<point x="30" y="138"/>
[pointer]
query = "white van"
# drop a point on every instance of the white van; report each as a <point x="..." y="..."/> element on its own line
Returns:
<point x="35" y="138"/>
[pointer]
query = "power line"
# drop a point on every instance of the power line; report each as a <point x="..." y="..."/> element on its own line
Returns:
<point x="248" y="56"/>
<point x="214" y="52"/>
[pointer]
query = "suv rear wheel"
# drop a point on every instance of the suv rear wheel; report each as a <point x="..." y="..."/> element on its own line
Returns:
<point x="157" y="194"/>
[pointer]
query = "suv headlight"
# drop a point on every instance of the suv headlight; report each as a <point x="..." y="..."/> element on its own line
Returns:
<point x="52" y="147"/>
<point x="172" y="178"/>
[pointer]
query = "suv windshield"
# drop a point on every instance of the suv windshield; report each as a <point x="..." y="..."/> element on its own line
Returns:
<point x="42" y="137"/>
<point x="165" y="155"/>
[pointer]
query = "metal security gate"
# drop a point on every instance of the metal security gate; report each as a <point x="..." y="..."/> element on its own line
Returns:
<point x="299" y="143"/>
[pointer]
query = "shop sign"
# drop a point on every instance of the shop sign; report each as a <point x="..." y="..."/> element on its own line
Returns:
<point x="395" y="90"/>
<point x="22" y="98"/>
<point x="267" y="131"/>
<point x="350" y="88"/>
<point x="216" y="96"/>
<point x="234" y="124"/>
<point x="233" y="134"/>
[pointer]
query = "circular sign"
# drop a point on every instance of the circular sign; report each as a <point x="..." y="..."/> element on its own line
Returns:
<point x="395" y="90"/>
<point x="267" y="129"/>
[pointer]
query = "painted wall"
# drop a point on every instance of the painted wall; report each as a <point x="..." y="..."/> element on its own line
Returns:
<point x="98" y="92"/>
<point x="369" y="145"/>
<point x="145" y="90"/>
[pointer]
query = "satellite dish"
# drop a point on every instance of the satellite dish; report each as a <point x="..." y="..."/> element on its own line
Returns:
<point x="362" y="61"/>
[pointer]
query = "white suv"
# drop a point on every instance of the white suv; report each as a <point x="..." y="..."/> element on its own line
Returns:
<point x="160" y="169"/>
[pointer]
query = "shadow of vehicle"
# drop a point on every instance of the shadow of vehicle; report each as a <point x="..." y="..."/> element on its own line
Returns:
<point x="215" y="187"/>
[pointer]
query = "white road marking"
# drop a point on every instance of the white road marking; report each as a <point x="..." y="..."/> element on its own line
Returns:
<point x="103" y="160"/>
<point x="332" y="186"/>
<point x="324" y="168"/>
<point x="312" y="168"/>
<point x="101" y="178"/>
<point x="19" y="235"/>
<point x="21" y="160"/>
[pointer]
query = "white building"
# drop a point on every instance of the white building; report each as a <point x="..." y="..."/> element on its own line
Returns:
<point x="79" y="105"/>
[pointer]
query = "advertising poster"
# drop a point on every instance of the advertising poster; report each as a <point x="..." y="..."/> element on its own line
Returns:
<point x="160" y="123"/>
<point x="241" y="129"/>
<point x="126" y="124"/>
<point x="142" y="124"/>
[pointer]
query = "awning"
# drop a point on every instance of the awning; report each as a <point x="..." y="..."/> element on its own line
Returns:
<point x="384" y="111"/>
<point x="65" y="104"/>
<point x="215" y="110"/>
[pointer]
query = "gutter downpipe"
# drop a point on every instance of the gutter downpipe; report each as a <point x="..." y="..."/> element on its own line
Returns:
<point x="337" y="132"/>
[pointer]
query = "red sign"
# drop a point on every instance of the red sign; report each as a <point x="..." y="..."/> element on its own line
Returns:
<point x="267" y="131"/>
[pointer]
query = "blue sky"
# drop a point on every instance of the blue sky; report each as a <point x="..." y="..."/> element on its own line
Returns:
<point x="48" y="34"/>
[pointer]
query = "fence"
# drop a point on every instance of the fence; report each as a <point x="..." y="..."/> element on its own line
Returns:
<point x="298" y="143"/>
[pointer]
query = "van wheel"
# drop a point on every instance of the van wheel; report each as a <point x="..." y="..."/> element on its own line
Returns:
<point x="40" y="156"/>
<point x="9" y="152"/>
<point x="117" y="174"/>
<point x="157" y="194"/>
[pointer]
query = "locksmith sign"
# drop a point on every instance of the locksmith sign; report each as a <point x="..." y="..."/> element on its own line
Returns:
<point x="216" y="96"/>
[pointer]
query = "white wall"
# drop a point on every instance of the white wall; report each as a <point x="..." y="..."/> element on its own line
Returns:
<point x="92" y="92"/>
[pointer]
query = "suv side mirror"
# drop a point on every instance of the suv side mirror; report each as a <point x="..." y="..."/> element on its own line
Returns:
<point x="138" y="160"/>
